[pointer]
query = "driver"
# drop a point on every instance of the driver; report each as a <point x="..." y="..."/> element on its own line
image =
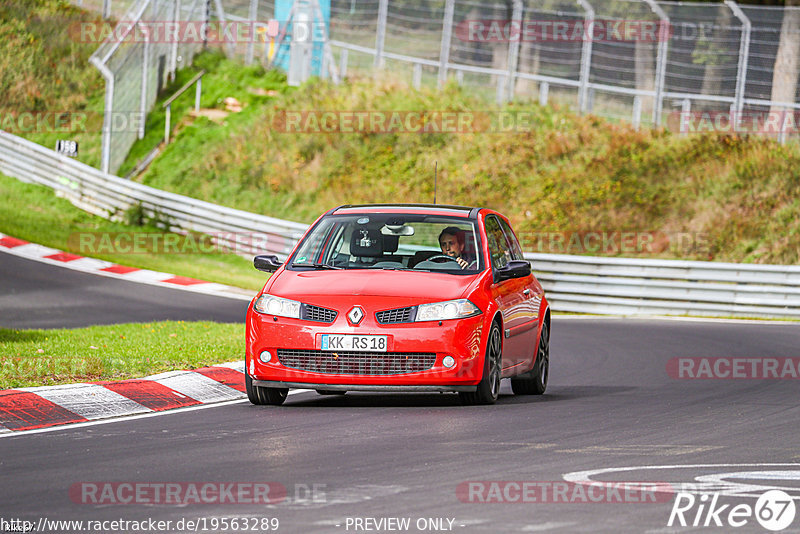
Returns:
<point x="452" y="242"/>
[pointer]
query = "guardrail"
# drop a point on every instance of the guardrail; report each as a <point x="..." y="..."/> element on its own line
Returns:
<point x="583" y="284"/>
<point x="107" y="195"/>
<point x="626" y="286"/>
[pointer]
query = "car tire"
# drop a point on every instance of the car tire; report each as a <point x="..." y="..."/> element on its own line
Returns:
<point x="330" y="392"/>
<point x="534" y="382"/>
<point x="489" y="386"/>
<point x="261" y="396"/>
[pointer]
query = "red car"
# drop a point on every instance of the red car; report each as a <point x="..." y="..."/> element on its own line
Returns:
<point x="399" y="298"/>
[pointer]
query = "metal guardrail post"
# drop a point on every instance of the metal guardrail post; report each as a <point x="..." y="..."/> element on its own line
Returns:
<point x="586" y="54"/>
<point x="416" y="79"/>
<point x="544" y="90"/>
<point x="636" y="119"/>
<point x="513" y="48"/>
<point x="661" y="60"/>
<point x="744" y="52"/>
<point x="447" y="34"/>
<point x="380" y="33"/>
<point x="106" y="9"/>
<point x="198" y="81"/>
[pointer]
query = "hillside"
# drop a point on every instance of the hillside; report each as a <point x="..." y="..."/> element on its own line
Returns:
<point x="569" y="183"/>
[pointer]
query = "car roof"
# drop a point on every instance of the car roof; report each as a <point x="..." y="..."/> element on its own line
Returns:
<point x="426" y="209"/>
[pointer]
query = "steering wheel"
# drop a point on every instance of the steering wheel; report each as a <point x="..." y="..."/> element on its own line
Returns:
<point x="444" y="257"/>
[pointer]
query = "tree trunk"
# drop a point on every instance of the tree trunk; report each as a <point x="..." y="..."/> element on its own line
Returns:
<point x="784" y="74"/>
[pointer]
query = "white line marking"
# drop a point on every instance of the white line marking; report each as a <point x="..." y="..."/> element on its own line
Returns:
<point x="92" y="401"/>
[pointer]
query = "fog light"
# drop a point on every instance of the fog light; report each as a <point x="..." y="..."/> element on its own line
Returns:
<point x="265" y="356"/>
<point x="448" y="361"/>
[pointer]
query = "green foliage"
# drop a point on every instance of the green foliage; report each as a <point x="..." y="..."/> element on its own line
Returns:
<point x="561" y="173"/>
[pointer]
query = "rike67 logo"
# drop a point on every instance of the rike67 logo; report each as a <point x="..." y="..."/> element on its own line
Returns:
<point x="774" y="510"/>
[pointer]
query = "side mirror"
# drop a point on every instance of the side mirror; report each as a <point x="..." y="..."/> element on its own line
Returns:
<point x="269" y="263"/>
<point x="514" y="269"/>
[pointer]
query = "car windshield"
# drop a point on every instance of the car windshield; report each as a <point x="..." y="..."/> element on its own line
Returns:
<point x="391" y="241"/>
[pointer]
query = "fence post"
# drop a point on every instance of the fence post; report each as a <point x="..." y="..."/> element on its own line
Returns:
<point x="686" y="109"/>
<point x="343" y="62"/>
<point x="447" y="33"/>
<point x="105" y="158"/>
<point x="513" y="47"/>
<point x="661" y="61"/>
<point x="741" y="69"/>
<point x="145" y="71"/>
<point x="248" y="58"/>
<point x="500" y="93"/>
<point x="173" y="49"/>
<point x="637" y="112"/>
<point x="586" y="55"/>
<point x="106" y="9"/>
<point x="380" y="34"/>
<point x="544" y="90"/>
<point x="417" y="77"/>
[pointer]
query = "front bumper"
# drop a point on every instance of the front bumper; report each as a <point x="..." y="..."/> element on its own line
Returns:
<point x="366" y="387"/>
<point x="460" y="338"/>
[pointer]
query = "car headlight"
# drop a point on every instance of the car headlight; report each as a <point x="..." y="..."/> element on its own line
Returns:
<point x="448" y="309"/>
<point x="277" y="306"/>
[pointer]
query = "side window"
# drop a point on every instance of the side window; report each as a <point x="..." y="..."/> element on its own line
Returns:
<point x="516" y="250"/>
<point x="499" y="251"/>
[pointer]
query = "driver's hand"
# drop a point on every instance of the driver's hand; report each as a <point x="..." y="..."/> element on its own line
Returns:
<point x="462" y="262"/>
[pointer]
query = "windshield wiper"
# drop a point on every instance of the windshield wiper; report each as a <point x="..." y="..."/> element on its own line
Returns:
<point x="320" y="266"/>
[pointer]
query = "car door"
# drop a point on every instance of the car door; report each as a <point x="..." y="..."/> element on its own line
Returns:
<point x="515" y="297"/>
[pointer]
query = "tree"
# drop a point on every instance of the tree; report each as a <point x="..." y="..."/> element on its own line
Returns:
<point x="784" y="74"/>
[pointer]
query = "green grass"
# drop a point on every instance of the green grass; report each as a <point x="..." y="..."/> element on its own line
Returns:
<point x="115" y="352"/>
<point x="34" y="213"/>
<point x="45" y="69"/>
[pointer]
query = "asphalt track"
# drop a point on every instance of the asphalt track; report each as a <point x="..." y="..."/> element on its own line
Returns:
<point x="38" y="295"/>
<point x="610" y="404"/>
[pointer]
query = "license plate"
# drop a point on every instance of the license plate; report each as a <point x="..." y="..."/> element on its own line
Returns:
<point x="353" y="342"/>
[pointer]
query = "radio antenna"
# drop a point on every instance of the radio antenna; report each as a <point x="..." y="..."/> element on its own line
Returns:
<point x="435" y="169"/>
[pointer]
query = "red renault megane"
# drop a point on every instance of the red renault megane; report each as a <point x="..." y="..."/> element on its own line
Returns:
<point x="399" y="298"/>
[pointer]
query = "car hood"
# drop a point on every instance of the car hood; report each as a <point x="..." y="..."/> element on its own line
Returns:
<point x="421" y="286"/>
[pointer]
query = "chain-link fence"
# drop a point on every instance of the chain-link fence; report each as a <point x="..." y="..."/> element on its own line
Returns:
<point x="137" y="58"/>
<point x="686" y="66"/>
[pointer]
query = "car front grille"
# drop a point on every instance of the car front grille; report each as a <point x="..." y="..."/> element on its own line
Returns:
<point x="317" y="313"/>
<point x="356" y="363"/>
<point x="399" y="315"/>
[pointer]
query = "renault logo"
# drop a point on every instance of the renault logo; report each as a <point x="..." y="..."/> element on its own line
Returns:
<point x="355" y="315"/>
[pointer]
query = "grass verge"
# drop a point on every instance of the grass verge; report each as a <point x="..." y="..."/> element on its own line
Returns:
<point x="113" y="352"/>
<point x="34" y="213"/>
